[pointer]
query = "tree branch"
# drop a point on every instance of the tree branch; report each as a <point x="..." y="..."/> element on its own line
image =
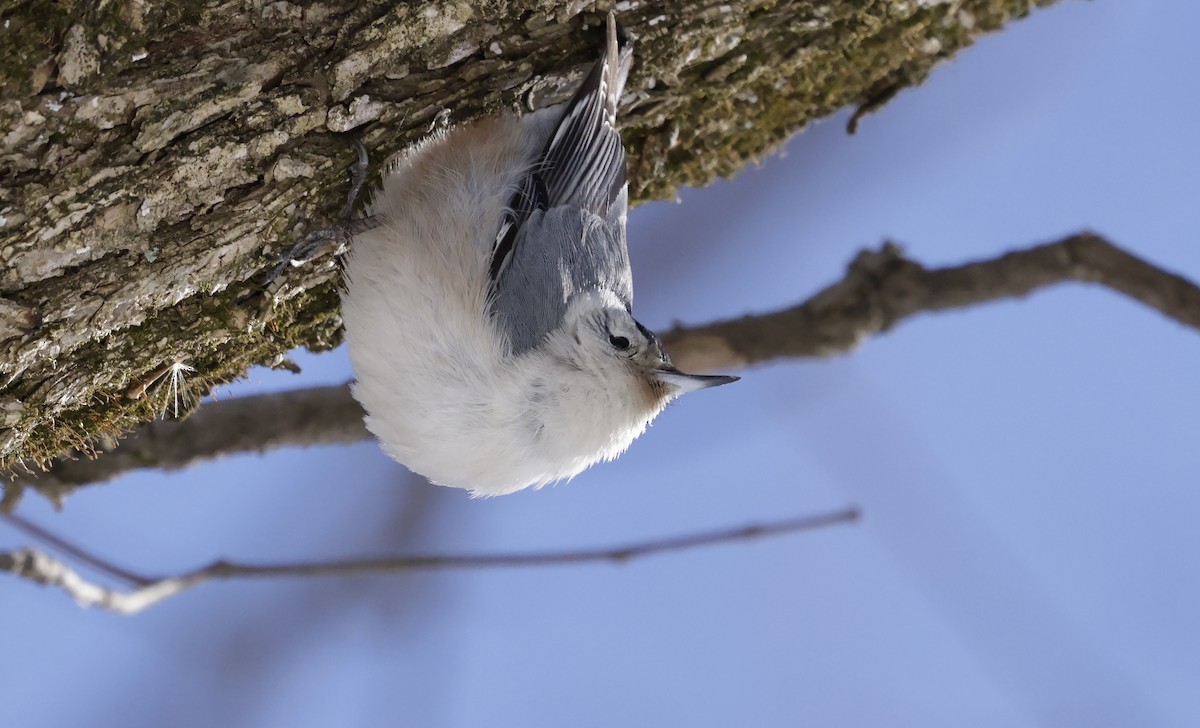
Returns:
<point x="881" y="289"/>
<point x="81" y="555"/>
<point x="257" y="424"/>
<point x="44" y="569"/>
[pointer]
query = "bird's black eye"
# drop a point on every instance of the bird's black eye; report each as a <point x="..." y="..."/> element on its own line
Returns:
<point x="619" y="342"/>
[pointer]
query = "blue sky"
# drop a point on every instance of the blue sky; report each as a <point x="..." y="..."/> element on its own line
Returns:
<point x="1027" y="470"/>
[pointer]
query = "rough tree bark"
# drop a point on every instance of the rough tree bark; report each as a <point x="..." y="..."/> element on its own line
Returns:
<point x="155" y="155"/>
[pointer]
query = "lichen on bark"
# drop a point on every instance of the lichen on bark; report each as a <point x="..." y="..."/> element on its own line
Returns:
<point x="155" y="155"/>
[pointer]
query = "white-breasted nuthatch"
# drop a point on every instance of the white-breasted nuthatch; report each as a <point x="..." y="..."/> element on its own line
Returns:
<point x="488" y="311"/>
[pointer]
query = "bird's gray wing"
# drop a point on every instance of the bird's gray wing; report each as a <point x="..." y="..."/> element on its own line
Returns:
<point x="581" y="172"/>
<point x="584" y="160"/>
<point x="571" y="251"/>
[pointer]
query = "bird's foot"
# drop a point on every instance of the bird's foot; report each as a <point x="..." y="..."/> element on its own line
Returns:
<point x="318" y="243"/>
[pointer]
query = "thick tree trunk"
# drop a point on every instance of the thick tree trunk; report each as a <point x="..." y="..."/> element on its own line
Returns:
<point x="154" y="156"/>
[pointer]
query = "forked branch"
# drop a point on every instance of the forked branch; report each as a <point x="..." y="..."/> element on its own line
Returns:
<point x="42" y="568"/>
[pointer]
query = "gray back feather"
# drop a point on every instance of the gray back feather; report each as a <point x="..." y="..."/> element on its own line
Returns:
<point x="564" y="231"/>
<point x="562" y="252"/>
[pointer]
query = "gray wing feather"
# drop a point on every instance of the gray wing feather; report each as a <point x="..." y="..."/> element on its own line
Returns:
<point x="564" y="231"/>
<point x="570" y="251"/>
<point x="584" y="161"/>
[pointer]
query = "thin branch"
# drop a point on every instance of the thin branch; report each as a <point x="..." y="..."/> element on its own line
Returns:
<point x="39" y="567"/>
<point x="258" y="424"/>
<point x="880" y="289"/>
<point x="76" y="552"/>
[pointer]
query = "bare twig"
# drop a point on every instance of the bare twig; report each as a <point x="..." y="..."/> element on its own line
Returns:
<point x="44" y="569"/>
<point x="880" y="289"/>
<point x="261" y="423"/>
<point x="79" y="554"/>
<point x="883" y="288"/>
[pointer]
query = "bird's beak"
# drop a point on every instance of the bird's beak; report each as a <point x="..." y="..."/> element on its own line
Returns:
<point x="680" y="382"/>
<point x="684" y="383"/>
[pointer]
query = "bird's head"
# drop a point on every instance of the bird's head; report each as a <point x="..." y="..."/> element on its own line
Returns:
<point x="592" y="387"/>
<point x="621" y="354"/>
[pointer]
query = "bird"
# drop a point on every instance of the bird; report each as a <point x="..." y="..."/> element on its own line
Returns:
<point x="488" y="306"/>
